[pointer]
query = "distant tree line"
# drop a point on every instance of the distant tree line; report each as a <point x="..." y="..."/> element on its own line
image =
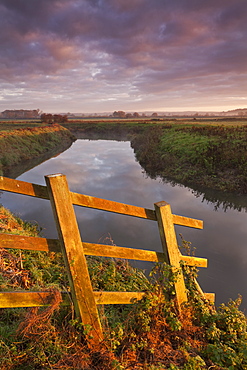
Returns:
<point x="53" y="118"/>
<point x="122" y="114"/>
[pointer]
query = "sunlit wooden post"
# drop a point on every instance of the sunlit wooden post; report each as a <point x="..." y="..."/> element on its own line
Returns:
<point x="170" y="247"/>
<point x="72" y="249"/>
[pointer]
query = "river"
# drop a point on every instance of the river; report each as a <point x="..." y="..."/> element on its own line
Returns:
<point x="108" y="169"/>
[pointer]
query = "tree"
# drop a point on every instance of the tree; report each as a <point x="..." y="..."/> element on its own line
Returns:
<point x="53" y="118"/>
<point x="59" y="118"/>
<point x="46" y="118"/>
<point x="119" y="114"/>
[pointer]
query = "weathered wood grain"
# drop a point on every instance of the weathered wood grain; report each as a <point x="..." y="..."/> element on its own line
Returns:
<point x="29" y="299"/>
<point x="110" y="206"/>
<point x="186" y="221"/>
<point x="22" y="187"/>
<point x="194" y="261"/>
<point x="117" y="297"/>
<point x="43" y="299"/>
<point x="90" y="249"/>
<point x="137" y="254"/>
<point x="29" y="243"/>
<point x="74" y="258"/>
<point x="170" y="247"/>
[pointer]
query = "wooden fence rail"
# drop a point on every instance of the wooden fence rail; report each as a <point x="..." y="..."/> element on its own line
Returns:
<point x="85" y="300"/>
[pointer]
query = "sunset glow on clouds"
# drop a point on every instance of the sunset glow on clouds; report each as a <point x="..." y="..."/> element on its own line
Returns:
<point x="131" y="55"/>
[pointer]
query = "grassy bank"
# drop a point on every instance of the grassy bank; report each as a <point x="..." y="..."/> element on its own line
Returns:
<point x="148" y="335"/>
<point x="202" y="153"/>
<point x="206" y="156"/>
<point x="22" y="144"/>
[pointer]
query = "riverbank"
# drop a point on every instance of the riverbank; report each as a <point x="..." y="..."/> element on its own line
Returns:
<point x="201" y="154"/>
<point x="149" y="334"/>
<point x="20" y="146"/>
<point x="213" y="157"/>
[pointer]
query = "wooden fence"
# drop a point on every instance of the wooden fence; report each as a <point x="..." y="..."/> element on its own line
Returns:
<point x="69" y="242"/>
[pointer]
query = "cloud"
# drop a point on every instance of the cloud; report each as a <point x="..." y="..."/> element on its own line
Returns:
<point x="97" y="51"/>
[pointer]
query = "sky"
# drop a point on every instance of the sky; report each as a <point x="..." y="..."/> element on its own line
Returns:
<point x="131" y="55"/>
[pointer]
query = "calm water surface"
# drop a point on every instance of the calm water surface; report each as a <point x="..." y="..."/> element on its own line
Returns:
<point x="107" y="169"/>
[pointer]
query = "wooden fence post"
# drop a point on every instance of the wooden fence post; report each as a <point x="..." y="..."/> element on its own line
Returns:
<point x="170" y="247"/>
<point x="75" y="261"/>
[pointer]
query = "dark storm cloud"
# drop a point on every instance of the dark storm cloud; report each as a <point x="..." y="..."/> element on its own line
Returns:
<point x="143" y="47"/>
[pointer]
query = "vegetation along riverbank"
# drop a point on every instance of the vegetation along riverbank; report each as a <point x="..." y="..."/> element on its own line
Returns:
<point x="20" y="145"/>
<point x="204" y="153"/>
<point x="207" y="156"/>
<point x="149" y="334"/>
